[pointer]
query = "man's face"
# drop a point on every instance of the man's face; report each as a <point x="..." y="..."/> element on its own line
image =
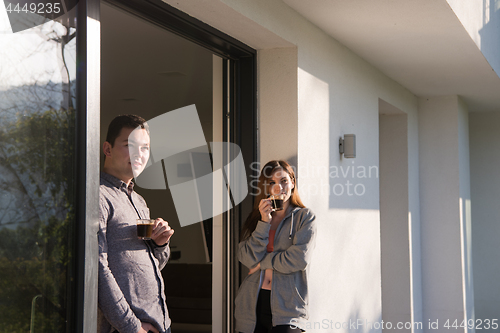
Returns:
<point x="129" y="155"/>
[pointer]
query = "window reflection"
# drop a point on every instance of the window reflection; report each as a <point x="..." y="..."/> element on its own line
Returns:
<point x="37" y="135"/>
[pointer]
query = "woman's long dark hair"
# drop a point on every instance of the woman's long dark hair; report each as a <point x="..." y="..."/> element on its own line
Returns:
<point x="265" y="175"/>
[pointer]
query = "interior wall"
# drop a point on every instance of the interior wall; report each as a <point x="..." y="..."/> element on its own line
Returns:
<point x="147" y="70"/>
<point x="485" y="193"/>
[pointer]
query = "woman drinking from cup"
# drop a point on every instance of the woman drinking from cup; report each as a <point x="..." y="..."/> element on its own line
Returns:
<point x="276" y="246"/>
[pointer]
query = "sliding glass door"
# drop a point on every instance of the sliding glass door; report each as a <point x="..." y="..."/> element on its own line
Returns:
<point x="153" y="62"/>
<point x="37" y="166"/>
<point x="49" y="57"/>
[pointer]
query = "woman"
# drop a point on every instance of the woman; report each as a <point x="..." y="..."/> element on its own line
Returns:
<point x="276" y="246"/>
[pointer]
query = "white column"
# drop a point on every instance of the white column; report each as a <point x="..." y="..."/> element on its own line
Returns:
<point x="485" y="194"/>
<point x="445" y="212"/>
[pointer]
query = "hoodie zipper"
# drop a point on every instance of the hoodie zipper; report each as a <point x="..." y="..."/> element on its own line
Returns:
<point x="271" y="299"/>
<point x="272" y="281"/>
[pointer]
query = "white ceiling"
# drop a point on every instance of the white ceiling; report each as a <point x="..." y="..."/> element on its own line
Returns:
<point x="419" y="43"/>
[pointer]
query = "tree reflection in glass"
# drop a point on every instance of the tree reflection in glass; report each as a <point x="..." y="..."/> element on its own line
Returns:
<point x="37" y="137"/>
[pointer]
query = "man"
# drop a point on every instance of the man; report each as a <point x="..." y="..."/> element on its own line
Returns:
<point x="131" y="296"/>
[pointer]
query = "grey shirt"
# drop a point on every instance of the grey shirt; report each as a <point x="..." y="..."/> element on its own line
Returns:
<point x="130" y="281"/>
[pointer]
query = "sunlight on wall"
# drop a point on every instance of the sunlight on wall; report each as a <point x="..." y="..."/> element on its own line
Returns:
<point x="412" y="288"/>
<point x="467" y="272"/>
<point x="313" y="115"/>
<point x="345" y="280"/>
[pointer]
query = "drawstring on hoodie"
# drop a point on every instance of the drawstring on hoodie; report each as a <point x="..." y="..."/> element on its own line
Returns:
<point x="291" y="228"/>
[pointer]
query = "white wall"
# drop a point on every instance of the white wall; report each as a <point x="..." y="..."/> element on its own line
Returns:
<point x="394" y="227"/>
<point x="277" y="103"/>
<point x="337" y="94"/>
<point x="485" y="194"/>
<point x="481" y="19"/>
<point x="445" y="219"/>
<point x="465" y="209"/>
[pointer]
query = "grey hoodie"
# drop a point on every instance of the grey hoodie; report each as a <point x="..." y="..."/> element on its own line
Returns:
<point x="293" y="244"/>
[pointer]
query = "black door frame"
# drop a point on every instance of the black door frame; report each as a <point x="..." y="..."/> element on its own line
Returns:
<point x="240" y="67"/>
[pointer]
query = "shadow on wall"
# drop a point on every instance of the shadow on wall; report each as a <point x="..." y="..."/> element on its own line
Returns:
<point x="353" y="182"/>
<point x="490" y="45"/>
<point x="485" y="191"/>
<point x="359" y="324"/>
<point x="354" y="323"/>
<point x="348" y="183"/>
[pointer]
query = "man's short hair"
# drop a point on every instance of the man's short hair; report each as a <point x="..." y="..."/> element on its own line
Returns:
<point x="124" y="121"/>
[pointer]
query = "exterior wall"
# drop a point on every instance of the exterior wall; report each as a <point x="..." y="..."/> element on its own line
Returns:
<point x="465" y="209"/>
<point x="394" y="226"/>
<point x="277" y="103"/>
<point x="481" y="19"/>
<point x="445" y="211"/>
<point x="485" y="191"/>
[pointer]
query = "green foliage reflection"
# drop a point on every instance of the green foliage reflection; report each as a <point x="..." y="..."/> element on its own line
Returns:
<point x="36" y="220"/>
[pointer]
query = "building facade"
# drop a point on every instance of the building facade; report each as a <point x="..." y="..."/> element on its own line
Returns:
<point x="406" y="230"/>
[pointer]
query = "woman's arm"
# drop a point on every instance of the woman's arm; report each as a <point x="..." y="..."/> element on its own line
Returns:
<point x="253" y="249"/>
<point x="298" y="256"/>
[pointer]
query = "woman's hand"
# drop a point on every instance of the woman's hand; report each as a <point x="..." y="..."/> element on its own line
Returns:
<point x="161" y="232"/>
<point x="255" y="269"/>
<point x="265" y="210"/>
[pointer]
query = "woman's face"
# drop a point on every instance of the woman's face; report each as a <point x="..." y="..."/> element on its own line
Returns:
<point x="280" y="182"/>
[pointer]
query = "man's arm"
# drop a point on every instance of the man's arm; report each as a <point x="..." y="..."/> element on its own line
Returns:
<point x="110" y="297"/>
<point x="160" y="238"/>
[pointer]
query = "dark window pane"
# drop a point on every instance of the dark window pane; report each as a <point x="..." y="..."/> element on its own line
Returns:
<point x="37" y="136"/>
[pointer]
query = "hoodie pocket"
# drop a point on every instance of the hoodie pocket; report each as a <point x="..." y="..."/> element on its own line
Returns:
<point x="285" y="299"/>
<point x="294" y="289"/>
<point x="300" y="288"/>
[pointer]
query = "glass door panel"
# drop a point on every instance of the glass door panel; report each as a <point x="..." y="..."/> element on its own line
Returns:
<point x="149" y="71"/>
<point x="156" y="59"/>
<point x="37" y="173"/>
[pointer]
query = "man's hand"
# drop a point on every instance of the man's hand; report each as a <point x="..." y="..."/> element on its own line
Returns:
<point x="255" y="269"/>
<point x="161" y="232"/>
<point x="146" y="327"/>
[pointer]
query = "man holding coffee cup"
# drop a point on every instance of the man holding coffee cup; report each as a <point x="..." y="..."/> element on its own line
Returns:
<point x="131" y="296"/>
